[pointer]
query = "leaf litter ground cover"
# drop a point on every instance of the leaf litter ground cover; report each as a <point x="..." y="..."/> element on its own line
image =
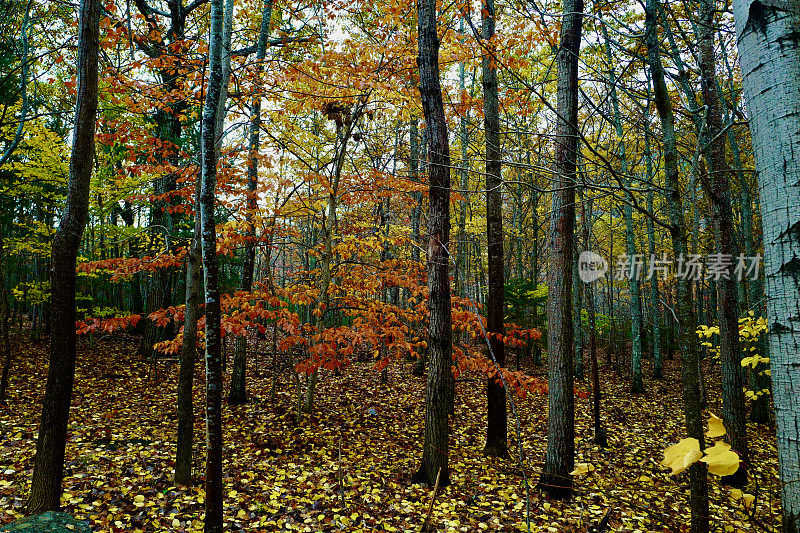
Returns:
<point x="346" y="467"/>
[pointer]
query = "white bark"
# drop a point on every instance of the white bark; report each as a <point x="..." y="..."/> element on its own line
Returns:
<point x="768" y="37"/>
<point x="222" y="105"/>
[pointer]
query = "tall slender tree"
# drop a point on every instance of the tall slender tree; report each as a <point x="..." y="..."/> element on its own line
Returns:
<point x="560" y="458"/>
<point x="440" y="384"/>
<point x="496" y="413"/>
<point x="769" y="52"/>
<point x="655" y="302"/>
<point x="213" y="352"/>
<point x="164" y="45"/>
<point x="48" y="469"/>
<point x="684" y="310"/>
<point x="5" y="342"/>
<point x="717" y="185"/>
<point x="637" y="383"/>
<point x="188" y="355"/>
<point x="238" y="392"/>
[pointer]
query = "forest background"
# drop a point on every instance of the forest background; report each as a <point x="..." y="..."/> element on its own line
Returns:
<point x="318" y="196"/>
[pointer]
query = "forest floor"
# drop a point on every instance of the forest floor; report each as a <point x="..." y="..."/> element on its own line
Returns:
<point x="346" y="467"/>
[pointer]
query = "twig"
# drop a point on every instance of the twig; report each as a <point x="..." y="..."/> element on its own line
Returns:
<point x="433" y="499"/>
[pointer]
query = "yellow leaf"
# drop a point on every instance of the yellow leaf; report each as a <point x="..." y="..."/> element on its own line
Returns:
<point x="736" y="494"/>
<point x="721" y="460"/>
<point x="138" y="499"/>
<point x="715" y="427"/>
<point x="682" y="455"/>
<point x="748" y="500"/>
<point x="582" y="468"/>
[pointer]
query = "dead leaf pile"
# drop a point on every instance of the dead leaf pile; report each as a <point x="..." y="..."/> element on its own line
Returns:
<point x="347" y="465"/>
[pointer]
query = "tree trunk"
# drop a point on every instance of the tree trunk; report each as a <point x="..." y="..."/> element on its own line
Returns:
<point x="238" y="392"/>
<point x="754" y="294"/>
<point x="577" y="305"/>
<point x="687" y="323"/>
<point x="416" y="216"/>
<point x="600" y="435"/>
<point x="769" y="38"/>
<point x="213" y="353"/>
<point x="185" y="429"/>
<point x="560" y="458"/>
<point x="655" y="303"/>
<point x="460" y="273"/>
<point x="48" y="466"/>
<point x="440" y="384"/>
<point x="719" y="192"/>
<point x="496" y="413"/>
<point x="637" y="383"/>
<point x="5" y="343"/>
<point x="536" y="352"/>
<point x="168" y="130"/>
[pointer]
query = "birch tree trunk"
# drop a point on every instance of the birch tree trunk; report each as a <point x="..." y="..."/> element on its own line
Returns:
<point x="213" y="353"/>
<point x="439" y="389"/>
<point x="560" y="458"/>
<point x="48" y="469"/>
<point x="769" y="40"/>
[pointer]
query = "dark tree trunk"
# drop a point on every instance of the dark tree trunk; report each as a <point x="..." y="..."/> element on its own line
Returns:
<point x="600" y="435"/>
<point x="416" y="217"/>
<point x="496" y="414"/>
<point x="560" y="459"/>
<point x="213" y="354"/>
<point x="238" y="392"/>
<point x="536" y="352"/>
<point x="463" y="244"/>
<point x="5" y="342"/>
<point x="440" y="384"/>
<point x="416" y="222"/>
<point x="577" y="305"/>
<point x="185" y="429"/>
<point x="719" y="192"/>
<point x="48" y="469"/>
<point x="687" y="323"/>
<point x="168" y="130"/>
